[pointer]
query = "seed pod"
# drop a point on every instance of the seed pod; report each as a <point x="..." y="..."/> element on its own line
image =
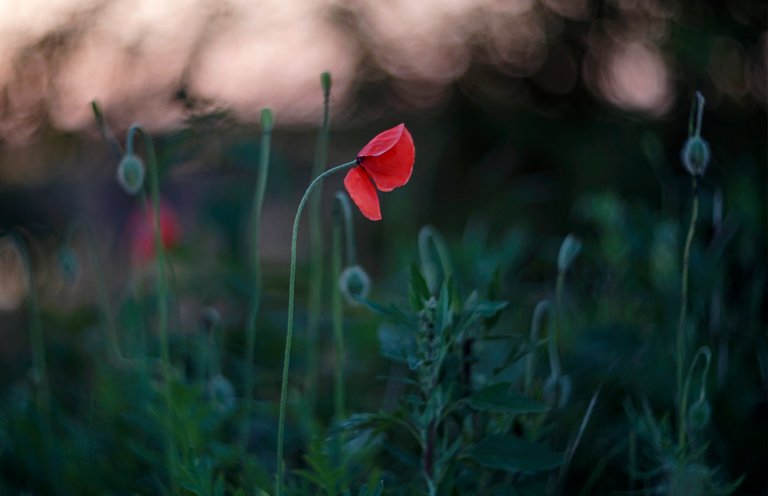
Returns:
<point x="695" y="155"/>
<point x="130" y="173"/>
<point x="354" y="284"/>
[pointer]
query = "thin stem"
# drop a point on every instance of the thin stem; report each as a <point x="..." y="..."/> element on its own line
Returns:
<point x="681" y="338"/>
<point x="557" y="331"/>
<point x="250" y="332"/>
<point x="316" y="252"/>
<point x="542" y="308"/>
<point x="112" y="343"/>
<point x="702" y="352"/>
<point x="345" y="210"/>
<point x="39" y="363"/>
<point x="162" y="300"/>
<point x="289" y="329"/>
<point x="338" y="327"/>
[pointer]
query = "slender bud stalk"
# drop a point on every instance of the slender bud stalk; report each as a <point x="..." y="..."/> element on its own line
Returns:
<point x="316" y="249"/>
<point x="267" y="124"/>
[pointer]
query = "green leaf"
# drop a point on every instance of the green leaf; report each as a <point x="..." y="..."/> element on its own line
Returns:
<point x="512" y="454"/>
<point x="489" y="309"/>
<point x="499" y="398"/>
<point x="397" y="343"/>
<point x="418" y="292"/>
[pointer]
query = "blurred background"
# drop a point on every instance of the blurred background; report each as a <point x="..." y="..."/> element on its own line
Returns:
<point x="531" y="118"/>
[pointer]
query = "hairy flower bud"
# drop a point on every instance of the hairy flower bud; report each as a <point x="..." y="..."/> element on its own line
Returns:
<point x="130" y="173"/>
<point x="695" y="155"/>
<point x="354" y="284"/>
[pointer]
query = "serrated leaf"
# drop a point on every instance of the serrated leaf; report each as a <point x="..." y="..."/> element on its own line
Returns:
<point x="512" y="454"/>
<point x="500" y="398"/>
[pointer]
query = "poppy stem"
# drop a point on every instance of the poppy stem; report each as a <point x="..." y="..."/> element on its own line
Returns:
<point x="162" y="290"/>
<point x="289" y="328"/>
<point x="681" y="331"/>
<point x="342" y="227"/>
<point x="544" y="307"/>
<point x="314" y="303"/>
<point x="267" y="123"/>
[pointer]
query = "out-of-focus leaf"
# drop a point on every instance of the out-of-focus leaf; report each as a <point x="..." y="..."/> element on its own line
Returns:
<point x="397" y="343"/>
<point x="513" y="454"/>
<point x="499" y="398"/>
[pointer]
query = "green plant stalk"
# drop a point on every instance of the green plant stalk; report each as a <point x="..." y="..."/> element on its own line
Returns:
<point x="250" y="335"/>
<point x="542" y="308"/>
<point x="703" y="351"/>
<point x="338" y="334"/>
<point x="681" y="339"/>
<point x="289" y="326"/>
<point x="316" y="258"/>
<point x="557" y="332"/>
<point x="39" y="364"/>
<point x="112" y="344"/>
<point x="161" y="288"/>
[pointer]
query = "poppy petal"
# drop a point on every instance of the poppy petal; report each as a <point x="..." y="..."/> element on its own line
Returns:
<point x="392" y="167"/>
<point x="382" y="142"/>
<point x="363" y="193"/>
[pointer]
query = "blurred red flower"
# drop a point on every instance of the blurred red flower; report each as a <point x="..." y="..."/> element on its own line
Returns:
<point x="385" y="163"/>
<point x="142" y="235"/>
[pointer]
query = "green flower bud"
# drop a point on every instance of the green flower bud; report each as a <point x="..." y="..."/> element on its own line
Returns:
<point x="695" y="155"/>
<point x="698" y="415"/>
<point x="130" y="173"/>
<point x="325" y="81"/>
<point x="569" y="250"/>
<point x="354" y="284"/>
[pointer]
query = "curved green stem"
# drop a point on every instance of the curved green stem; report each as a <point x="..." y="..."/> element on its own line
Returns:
<point x="681" y="338"/>
<point x="342" y="227"/>
<point x="112" y="343"/>
<point x="707" y="354"/>
<point x="289" y="328"/>
<point x="314" y="303"/>
<point x="542" y="308"/>
<point x="258" y="202"/>
<point x="39" y="363"/>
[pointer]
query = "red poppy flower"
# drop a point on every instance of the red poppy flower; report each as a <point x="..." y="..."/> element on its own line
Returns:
<point x="385" y="163"/>
<point x="141" y="230"/>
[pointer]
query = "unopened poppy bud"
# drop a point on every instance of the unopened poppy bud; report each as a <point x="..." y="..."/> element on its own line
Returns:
<point x="325" y="81"/>
<point x="695" y="155"/>
<point x="354" y="284"/>
<point x="130" y="173"/>
<point x="211" y="319"/>
<point x="569" y="250"/>
<point x="698" y="415"/>
<point x="557" y="390"/>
